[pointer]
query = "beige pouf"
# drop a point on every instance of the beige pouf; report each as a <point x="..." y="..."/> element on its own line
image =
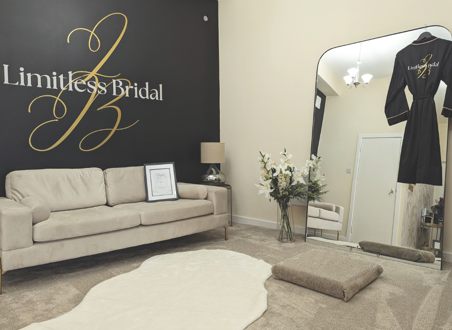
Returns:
<point x="335" y="274"/>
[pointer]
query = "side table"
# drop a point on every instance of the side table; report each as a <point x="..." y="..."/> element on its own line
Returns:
<point x="229" y="188"/>
<point x="434" y="242"/>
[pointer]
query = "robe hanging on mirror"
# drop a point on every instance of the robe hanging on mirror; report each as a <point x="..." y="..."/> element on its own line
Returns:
<point x="421" y="65"/>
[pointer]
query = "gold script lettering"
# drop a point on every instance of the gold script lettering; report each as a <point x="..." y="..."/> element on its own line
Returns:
<point x="86" y="76"/>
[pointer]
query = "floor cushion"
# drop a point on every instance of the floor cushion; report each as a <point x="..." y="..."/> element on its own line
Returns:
<point x="332" y="273"/>
<point x="83" y="222"/>
<point x="167" y="211"/>
<point x="397" y="251"/>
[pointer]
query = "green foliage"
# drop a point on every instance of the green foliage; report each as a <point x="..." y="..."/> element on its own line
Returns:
<point x="315" y="190"/>
<point x="292" y="191"/>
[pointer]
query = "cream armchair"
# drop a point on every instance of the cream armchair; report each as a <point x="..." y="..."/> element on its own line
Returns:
<point x="325" y="216"/>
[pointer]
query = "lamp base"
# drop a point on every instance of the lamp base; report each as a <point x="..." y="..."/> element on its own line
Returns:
<point x="213" y="176"/>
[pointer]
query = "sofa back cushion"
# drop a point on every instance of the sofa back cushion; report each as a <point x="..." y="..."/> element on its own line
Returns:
<point x="60" y="189"/>
<point x="125" y="185"/>
<point x="191" y="191"/>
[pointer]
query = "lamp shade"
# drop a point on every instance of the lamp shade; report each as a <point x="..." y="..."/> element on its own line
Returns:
<point x="212" y="152"/>
<point x="353" y="72"/>
<point x="366" y="78"/>
<point x="348" y="80"/>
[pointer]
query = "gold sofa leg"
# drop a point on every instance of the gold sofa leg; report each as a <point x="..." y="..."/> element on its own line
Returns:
<point x="225" y="233"/>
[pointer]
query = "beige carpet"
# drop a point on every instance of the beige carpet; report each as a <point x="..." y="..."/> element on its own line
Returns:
<point x="202" y="290"/>
<point x="403" y="297"/>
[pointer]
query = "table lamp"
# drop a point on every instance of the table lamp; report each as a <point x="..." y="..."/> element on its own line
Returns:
<point x="212" y="153"/>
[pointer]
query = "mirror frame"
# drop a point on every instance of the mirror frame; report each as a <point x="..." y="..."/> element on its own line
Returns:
<point x="447" y="148"/>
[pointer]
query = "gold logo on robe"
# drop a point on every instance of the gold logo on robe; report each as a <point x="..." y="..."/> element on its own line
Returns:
<point x="424" y="69"/>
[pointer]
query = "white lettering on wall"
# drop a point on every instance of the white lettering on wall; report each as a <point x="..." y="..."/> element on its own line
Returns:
<point x="65" y="82"/>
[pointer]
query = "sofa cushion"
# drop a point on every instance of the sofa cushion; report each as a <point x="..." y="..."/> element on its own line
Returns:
<point x="192" y="191"/>
<point x="167" y="211"/>
<point x="40" y="211"/>
<point x="328" y="215"/>
<point x="313" y="212"/>
<point x="125" y="185"/>
<point x="60" y="189"/>
<point x="83" y="222"/>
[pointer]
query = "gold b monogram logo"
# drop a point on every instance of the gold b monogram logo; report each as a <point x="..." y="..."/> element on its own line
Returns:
<point x="83" y="78"/>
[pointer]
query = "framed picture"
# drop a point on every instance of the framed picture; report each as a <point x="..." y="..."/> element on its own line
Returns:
<point x="437" y="245"/>
<point x="161" y="183"/>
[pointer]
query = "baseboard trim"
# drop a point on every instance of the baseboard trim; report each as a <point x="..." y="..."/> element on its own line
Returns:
<point x="262" y="223"/>
<point x="447" y="256"/>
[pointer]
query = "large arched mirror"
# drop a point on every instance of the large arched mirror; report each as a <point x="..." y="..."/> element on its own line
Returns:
<point x="365" y="208"/>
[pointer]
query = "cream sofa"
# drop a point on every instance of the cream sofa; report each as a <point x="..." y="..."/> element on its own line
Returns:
<point x="58" y="214"/>
<point x="325" y="216"/>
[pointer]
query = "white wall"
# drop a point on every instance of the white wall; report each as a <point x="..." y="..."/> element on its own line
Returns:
<point x="269" y="51"/>
<point x="354" y="112"/>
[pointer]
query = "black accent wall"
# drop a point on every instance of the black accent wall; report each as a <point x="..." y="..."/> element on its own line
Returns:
<point x="165" y="47"/>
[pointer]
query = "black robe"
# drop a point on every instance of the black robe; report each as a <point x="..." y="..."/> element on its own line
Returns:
<point x="421" y="65"/>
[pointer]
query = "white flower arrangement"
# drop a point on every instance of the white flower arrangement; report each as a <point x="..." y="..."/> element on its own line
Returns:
<point x="281" y="182"/>
<point x="285" y="182"/>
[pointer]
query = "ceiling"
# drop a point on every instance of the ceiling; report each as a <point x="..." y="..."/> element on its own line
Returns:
<point x="377" y="55"/>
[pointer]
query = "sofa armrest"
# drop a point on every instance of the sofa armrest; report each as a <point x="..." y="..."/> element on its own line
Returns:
<point x="15" y="225"/>
<point x="340" y="211"/>
<point x="219" y="197"/>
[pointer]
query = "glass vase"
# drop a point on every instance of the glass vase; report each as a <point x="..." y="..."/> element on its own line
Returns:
<point x="285" y="223"/>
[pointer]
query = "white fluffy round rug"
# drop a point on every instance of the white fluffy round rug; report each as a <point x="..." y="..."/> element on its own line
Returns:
<point x="206" y="289"/>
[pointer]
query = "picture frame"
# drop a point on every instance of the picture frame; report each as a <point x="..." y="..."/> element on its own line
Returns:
<point x="436" y="244"/>
<point x="161" y="182"/>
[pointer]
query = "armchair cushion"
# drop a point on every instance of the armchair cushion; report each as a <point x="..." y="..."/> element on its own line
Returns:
<point x="328" y="215"/>
<point x="40" y="211"/>
<point x="313" y="212"/>
<point x="325" y="206"/>
<point x="319" y="223"/>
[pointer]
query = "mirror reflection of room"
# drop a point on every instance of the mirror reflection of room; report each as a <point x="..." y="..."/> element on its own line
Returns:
<point x="368" y="200"/>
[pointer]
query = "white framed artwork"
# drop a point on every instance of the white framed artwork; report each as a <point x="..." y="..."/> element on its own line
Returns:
<point x="161" y="182"/>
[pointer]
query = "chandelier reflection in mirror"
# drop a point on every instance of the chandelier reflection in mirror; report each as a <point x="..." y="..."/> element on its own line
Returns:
<point x="353" y="78"/>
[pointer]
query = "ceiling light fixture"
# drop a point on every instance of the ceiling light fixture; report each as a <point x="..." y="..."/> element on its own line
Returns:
<point x="353" y="78"/>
